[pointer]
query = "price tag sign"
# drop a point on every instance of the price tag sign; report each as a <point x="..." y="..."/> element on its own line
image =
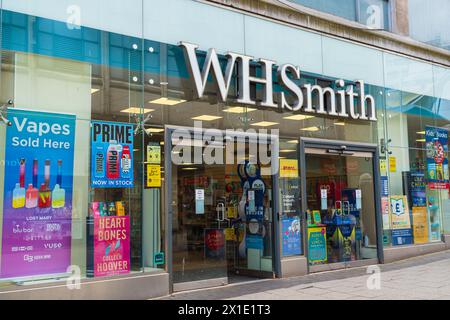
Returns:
<point x="358" y="199"/>
<point x="323" y="199"/>
<point x="199" y="201"/>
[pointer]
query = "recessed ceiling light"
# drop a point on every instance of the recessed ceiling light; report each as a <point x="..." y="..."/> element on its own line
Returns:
<point x="206" y="117"/>
<point x="298" y="117"/>
<point x="264" y="124"/>
<point x="293" y="141"/>
<point x="239" y="110"/>
<point x="154" y="130"/>
<point x="339" y="123"/>
<point x="189" y="169"/>
<point x="421" y="140"/>
<point x="137" y="110"/>
<point x="93" y="90"/>
<point x="312" y="129"/>
<point x="286" y="150"/>
<point x="167" y="101"/>
<point x="420" y="132"/>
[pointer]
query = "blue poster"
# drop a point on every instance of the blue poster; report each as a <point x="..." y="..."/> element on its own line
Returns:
<point x="37" y="208"/>
<point x="291" y="236"/>
<point x="418" y="189"/>
<point x="402" y="237"/>
<point x="384" y="186"/>
<point x="437" y="160"/>
<point x="112" y="155"/>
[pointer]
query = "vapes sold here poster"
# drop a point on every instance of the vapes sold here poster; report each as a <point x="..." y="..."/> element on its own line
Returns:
<point x="37" y="208"/>
<point x="112" y="155"/>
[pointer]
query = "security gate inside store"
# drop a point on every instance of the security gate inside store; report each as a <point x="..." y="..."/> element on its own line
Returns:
<point x="220" y="200"/>
<point x="340" y="199"/>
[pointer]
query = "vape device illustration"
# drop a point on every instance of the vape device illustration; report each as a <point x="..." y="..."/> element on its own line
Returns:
<point x="47" y="173"/>
<point x="35" y="173"/>
<point x="58" y="194"/>
<point x="18" y="200"/>
<point x="126" y="162"/>
<point x="112" y="161"/>
<point x="18" y="197"/>
<point x="58" y="197"/>
<point x="22" y="173"/>
<point x="32" y="195"/>
<point x="44" y="196"/>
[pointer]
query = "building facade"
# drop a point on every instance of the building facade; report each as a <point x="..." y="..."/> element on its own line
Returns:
<point x="155" y="146"/>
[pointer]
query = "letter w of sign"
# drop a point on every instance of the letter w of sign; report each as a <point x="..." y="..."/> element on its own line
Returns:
<point x="211" y="61"/>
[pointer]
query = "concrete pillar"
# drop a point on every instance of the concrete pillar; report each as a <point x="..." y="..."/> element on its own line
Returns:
<point x="400" y="18"/>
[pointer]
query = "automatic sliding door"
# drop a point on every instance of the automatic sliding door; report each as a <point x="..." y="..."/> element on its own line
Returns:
<point x="340" y="205"/>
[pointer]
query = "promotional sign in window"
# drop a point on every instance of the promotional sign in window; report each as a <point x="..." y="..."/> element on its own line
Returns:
<point x="399" y="212"/>
<point x="153" y="176"/>
<point x="37" y="208"/>
<point x="288" y="168"/>
<point x="418" y="189"/>
<point x="112" y="155"/>
<point x="400" y="220"/>
<point x="111" y="245"/>
<point x="437" y="161"/>
<point x="420" y="224"/>
<point x="215" y="243"/>
<point x="291" y="236"/>
<point x="317" y="245"/>
<point x="154" y="154"/>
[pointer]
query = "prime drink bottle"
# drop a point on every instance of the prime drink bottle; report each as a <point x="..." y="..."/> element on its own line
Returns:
<point x="112" y="161"/>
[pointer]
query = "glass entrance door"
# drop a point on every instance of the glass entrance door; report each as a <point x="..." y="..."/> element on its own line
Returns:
<point x="221" y="197"/>
<point x="340" y="207"/>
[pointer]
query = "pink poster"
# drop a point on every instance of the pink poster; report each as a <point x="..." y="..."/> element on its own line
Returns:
<point x="111" y="245"/>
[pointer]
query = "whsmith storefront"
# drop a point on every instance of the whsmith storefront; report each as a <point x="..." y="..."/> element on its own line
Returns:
<point x="156" y="146"/>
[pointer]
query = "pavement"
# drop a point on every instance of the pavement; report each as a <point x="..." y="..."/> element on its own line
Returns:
<point x="425" y="277"/>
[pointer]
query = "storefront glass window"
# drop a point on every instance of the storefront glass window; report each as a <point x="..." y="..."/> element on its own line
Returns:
<point x="90" y="210"/>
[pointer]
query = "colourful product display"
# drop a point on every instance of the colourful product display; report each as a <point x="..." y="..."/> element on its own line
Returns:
<point x="107" y="209"/>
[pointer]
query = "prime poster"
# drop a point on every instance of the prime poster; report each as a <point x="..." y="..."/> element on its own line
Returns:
<point x="37" y="209"/>
<point x="112" y="155"/>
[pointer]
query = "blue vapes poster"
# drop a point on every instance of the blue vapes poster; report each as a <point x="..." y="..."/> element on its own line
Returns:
<point x="112" y="155"/>
<point x="37" y="208"/>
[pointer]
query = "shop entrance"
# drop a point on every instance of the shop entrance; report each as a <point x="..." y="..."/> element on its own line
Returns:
<point x="341" y="202"/>
<point x="220" y="200"/>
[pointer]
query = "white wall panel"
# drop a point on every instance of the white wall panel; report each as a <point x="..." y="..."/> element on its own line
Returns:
<point x="284" y="44"/>
<point x="119" y="16"/>
<point x="171" y="21"/>
<point x="342" y="59"/>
